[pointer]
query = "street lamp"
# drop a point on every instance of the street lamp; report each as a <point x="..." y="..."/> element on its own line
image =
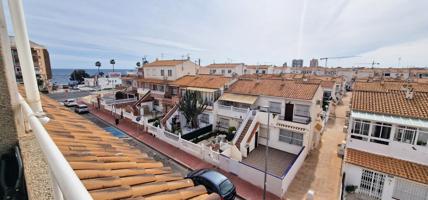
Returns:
<point x="112" y="62"/>
<point x="266" y="108"/>
<point x="98" y="65"/>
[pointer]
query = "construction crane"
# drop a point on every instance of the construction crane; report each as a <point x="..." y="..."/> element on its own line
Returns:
<point x="339" y="57"/>
<point x="373" y="63"/>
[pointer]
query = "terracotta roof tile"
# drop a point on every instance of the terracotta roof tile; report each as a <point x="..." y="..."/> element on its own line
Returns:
<point x="110" y="168"/>
<point x="203" y="81"/>
<point x="387" y="86"/>
<point x="163" y="63"/>
<point x="405" y="169"/>
<point x="275" y="87"/>
<point x="391" y="102"/>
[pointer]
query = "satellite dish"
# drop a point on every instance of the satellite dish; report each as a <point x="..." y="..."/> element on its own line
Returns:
<point x="138" y="118"/>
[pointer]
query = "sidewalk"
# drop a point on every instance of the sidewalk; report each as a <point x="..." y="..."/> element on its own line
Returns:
<point x="244" y="189"/>
<point x="321" y="170"/>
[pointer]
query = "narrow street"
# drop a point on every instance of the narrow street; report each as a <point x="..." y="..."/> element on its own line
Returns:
<point x="321" y="169"/>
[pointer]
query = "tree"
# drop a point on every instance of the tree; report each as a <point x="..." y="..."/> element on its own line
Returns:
<point x="192" y="105"/>
<point x="79" y="75"/>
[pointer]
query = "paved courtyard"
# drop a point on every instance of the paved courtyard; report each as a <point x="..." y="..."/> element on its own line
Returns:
<point x="321" y="170"/>
<point x="278" y="161"/>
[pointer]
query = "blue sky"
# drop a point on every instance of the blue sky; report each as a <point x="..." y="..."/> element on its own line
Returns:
<point x="77" y="33"/>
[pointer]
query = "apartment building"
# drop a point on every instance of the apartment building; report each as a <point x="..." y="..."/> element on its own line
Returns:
<point x="209" y="87"/>
<point x="42" y="65"/>
<point x="386" y="149"/>
<point x="154" y="87"/>
<point x="256" y="69"/>
<point x="225" y="69"/>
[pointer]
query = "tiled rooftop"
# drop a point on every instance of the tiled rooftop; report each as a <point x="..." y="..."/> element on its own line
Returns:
<point x="379" y="86"/>
<point x="163" y="63"/>
<point x="202" y="81"/>
<point x="275" y="87"/>
<point x="405" y="169"/>
<point x="110" y="168"/>
<point x="389" y="99"/>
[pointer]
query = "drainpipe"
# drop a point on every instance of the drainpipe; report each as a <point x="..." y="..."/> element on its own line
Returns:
<point x="25" y="56"/>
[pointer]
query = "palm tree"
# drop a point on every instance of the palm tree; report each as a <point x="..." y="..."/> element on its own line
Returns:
<point x="192" y="105"/>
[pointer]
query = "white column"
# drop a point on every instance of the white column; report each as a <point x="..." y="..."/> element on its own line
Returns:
<point x="25" y="56"/>
<point x="9" y="68"/>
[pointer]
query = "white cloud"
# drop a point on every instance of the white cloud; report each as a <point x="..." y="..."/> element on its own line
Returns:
<point x="248" y="31"/>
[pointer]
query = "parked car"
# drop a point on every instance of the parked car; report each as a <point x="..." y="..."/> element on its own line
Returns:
<point x="81" y="108"/>
<point x="70" y="103"/>
<point x="215" y="182"/>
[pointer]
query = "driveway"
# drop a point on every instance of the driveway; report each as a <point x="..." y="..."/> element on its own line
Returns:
<point x="321" y="170"/>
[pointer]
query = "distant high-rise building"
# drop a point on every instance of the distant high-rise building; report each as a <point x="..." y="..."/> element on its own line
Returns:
<point x="297" y="63"/>
<point x="285" y="64"/>
<point x="313" y="63"/>
<point x="42" y="64"/>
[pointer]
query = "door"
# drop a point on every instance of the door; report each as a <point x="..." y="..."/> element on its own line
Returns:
<point x="289" y="112"/>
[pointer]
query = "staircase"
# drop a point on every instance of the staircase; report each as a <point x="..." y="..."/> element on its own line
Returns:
<point x="137" y="103"/>
<point x="169" y="114"/>
<point x="243" y="133"/>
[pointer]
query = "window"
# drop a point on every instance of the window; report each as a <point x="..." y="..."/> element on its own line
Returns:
<point x="301" y="110"/>
<point x="290" y="137"/>
<point x="169" y="72"/>
<point x="214" y="71"/>
<point x="162" y="72"/>
<point x="381" y="131"/>
<point x="226" y="187"/>
<point x="229" y="71"/>
<point x="361" y="127"/>
<point x="205" y="118"/>
<point x="222" y="71"/>
<point x="372" y="184"/>
<point x="275" y="107"/>
<point x="161" y="88"/>
<point x="405" y="134"/>
<point x="387" y="74"/>
<point x="422" y="138"/>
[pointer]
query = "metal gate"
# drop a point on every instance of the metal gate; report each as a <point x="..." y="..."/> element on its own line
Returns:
<point x="372" y="184"/>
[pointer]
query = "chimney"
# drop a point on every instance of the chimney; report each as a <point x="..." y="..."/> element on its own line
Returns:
<point x="409" y="92"/>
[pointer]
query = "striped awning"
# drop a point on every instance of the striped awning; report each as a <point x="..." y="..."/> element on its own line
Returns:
<point x="247" y="99"/>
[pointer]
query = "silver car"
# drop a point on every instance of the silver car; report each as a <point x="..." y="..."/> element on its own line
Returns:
<point x="81" y="108"/>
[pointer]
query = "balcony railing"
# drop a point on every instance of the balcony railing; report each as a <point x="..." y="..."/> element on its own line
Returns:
<point x="66" y="184"/>
<point x="291" y="125"/>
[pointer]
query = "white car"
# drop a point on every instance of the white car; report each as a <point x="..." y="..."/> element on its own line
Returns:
<point x="81" y="108"/>
<point x="70" y="103"/>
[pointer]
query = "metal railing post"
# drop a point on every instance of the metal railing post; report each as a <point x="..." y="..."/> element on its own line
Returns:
<point x="25" y="56"/>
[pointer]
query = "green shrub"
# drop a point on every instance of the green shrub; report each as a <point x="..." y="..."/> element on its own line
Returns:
<point x="350" y="188"/>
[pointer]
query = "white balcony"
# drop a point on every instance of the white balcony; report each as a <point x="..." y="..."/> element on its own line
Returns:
<point x="142" y="91"/>
<point x="231" y="111"/>
<point x="293" y="126"/>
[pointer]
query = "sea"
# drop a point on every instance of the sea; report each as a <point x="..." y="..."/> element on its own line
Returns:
<point x="61" y="76"/>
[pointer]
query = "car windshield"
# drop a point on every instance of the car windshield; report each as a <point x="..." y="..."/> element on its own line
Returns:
<point x="225" y="187"/>
<point x="83" y="106"/>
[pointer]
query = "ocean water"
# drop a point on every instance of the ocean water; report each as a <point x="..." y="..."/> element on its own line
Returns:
<point x="62" y="76"/>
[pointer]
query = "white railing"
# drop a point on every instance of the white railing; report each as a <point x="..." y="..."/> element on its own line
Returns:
<point x="242" y="110"/>
<point x="241" y="128"/>
<point x="120" y="101"/>
<point x="171" y="136"/>
<point x="224" y="107"/>
<point x="291" y="172"/>
<point x="66" y="183"/>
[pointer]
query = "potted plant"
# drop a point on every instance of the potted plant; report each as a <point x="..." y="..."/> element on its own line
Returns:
<point x="351" y="188"/>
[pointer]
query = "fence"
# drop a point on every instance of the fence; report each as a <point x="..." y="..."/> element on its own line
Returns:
<point x="292" y="170"/>
<point x="198" y="132"/>
<point x="199" y="151"/>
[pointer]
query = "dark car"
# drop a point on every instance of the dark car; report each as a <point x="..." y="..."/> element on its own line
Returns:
<point x="214" y="182"/>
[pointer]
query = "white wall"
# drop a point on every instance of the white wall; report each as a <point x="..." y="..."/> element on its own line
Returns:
<point x="399" y="150"/>
<point x="188" y="68"/>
